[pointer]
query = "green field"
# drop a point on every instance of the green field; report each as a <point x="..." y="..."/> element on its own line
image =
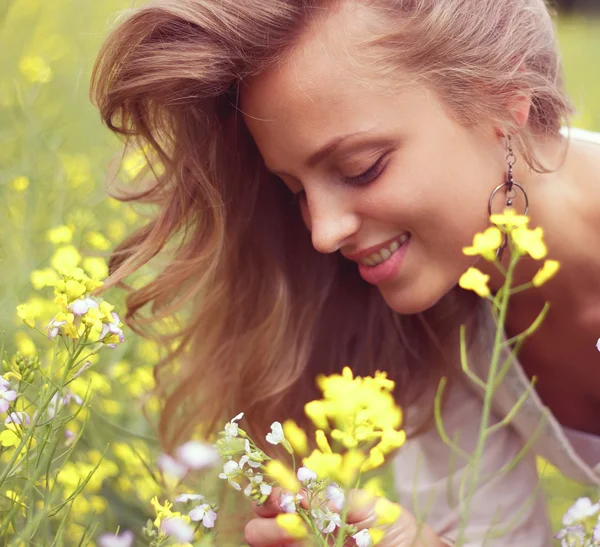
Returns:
<point x="53" y="158"/>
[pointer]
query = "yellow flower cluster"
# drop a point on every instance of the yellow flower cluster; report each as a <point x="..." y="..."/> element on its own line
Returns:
<point x="358" y="414"/>
<point x="523" y="241"/>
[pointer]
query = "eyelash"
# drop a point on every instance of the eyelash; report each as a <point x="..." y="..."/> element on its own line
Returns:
<point x="361" y="180"/>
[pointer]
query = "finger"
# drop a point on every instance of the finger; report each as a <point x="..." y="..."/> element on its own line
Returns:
<point x="262" y="532"/>
<point x="271" y="507"/>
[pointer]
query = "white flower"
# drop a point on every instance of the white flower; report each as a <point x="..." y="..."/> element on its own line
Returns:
<point x="580" y="510"/>
<point x="196" y="455"/>
<point x="326" y="519"/>
<point x="53" y="328"/>
<point x="306" y="475"/>
<point x="276" y="436"/>
<point x="255" y="480"/>
<point x="596" y="536"/>
<point x="205" y="514"/>
<point x="188" y="497"/>
<point x="18" y="418"/>
<point x="287" y="502"/>
<point x="252" y="458"/>
<point x="111" y="540"/>
<point x="81" y="306"/>
<point x="336" y="495"/>
<point x="598" y="344"/>
<point x="7" y="396"/>
<point x="363" y="538"/>
<point x="265" y="489"/>
<point x="572" y="536"/>
<point x="231" y="470"/>
<point x="179" y="529"/>
<point x="170" y="466"/>
<point x="231" y="428"/>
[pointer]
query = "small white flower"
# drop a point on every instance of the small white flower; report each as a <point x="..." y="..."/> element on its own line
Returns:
<point x="254" y="481"/>
<point x="265" y="489"/>
<point x="326" y="520"/>
<point x="81" y="306"/>
<point x="196" y="455"/>
<point x="231" y="470"/>
<point x="306" y="475"/>
<point x="19" y="418"/>
<point x="231" y="428"/>
<point x="7" y="396"/>
<point x="363" y="538"/>
<point x="111" y="540"/>
<point x="252" y="458"/>
<point x="205" y="514"/>
<point x="179" y="529"/>
<point x="70" y="396"/>
<point x="580" y="510"/>
<point x="287" y="502"/>
<point x="276" y="436"/>
<point x="571" y="536"/>
<point x="53" y="328"/>
<point x="56" y="403"/>
<point x="596" y="536"/>
<point x="170" y="466"/>
<point x="188" y="497"/>
<point x="598" y="344"/>
<point x="336" y="495"/>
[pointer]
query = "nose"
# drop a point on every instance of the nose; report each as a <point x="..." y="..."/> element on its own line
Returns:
<point x="331" y="219"/>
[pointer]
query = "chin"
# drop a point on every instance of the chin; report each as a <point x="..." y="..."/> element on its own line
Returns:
<point x="409" y="302"/>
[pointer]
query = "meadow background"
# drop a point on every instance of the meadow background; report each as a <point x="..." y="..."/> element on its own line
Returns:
<point x="54" y="154"/>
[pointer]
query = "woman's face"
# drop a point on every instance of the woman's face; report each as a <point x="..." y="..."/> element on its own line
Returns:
<point x="374" y="170"/>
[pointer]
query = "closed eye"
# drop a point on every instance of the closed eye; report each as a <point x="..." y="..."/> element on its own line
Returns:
<point x="369" y="175"/>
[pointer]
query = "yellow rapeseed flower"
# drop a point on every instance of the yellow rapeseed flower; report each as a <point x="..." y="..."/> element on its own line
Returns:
<point x="509" y="219"/>
<point x="65" y="258"/>
<point x="293" y="525"/>
<point x="43" y="278"/>
<point x="60" y="234"/>
<point x="322" y="442"/>
<point x="95" y="267"/>
<point x="98" y="241"/>
<point x="474" y="280"/>
<point x="376" y="535"/>
<point x="324" y="465"/>
<point x="485" y="244"/>
<point x="284" y="476"/>
<point x="530" y="242"/>
<point x="546" y="272"/>
<point x="296" y="437"/>
<point x="20" y="184"/>
<point x="35" y="69"/>
<point x="386" y="512"/>
<point x="315" y="410"/>
<point x="25" y="315"/>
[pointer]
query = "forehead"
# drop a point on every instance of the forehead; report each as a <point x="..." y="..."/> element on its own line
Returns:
<point x="320" y="88"/>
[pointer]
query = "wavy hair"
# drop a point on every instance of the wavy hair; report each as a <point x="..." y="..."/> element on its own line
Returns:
<point x="261" y="311"/>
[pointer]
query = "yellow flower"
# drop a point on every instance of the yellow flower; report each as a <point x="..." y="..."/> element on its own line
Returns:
<point x="485" y="244"/>
<point x="546" y="272"/>
<point x="43" y="278"/>
<point x="35" y="69"/>
<point x="322" y="442"/>
<point x="284" y="476"/>
<point x="315" y="410"/>
<point x="324" y="465"/>
<point x="296" y="436"/>
<point x="509" y="219"/>
<point x="60" y="234"/>
<point x="9" y="436"/>
<point x="374" y="486"/>
<point x="375" y="459"/>
<point x="530" y="242"/>
<point x="20" y="184"/>
<point x="293" y="525"/>
<point x="96" y="267"/>
<point x="376" y="535"/>
<point x="474" y="280"/>
<point x="98" y="241"/>
<point x="164" y="511"/>
<point x="386" y="511"/>
<point x="25" y="315"/>
<point x="390" y="440"/>
<point x="65" y="258"/>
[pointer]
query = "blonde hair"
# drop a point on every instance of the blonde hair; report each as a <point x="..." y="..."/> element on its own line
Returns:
<point x="265" y="311"/>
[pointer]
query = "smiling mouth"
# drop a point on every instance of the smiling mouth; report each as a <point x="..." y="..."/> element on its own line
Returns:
<point x="385" y="253"/>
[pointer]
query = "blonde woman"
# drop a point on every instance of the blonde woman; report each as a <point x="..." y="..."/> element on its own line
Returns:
<point x="323" y="163"/>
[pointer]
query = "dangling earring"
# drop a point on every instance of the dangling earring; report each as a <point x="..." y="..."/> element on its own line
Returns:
<point x="510" y="192"/>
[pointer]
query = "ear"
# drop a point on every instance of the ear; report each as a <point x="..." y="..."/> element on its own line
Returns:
<point x="519" y="107"/>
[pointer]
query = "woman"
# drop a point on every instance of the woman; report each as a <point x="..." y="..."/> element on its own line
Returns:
<point x="383" y="127"/>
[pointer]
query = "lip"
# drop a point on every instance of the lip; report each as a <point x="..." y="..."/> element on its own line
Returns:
<point x="370" y="250"/>
<point x="386" y="270"/>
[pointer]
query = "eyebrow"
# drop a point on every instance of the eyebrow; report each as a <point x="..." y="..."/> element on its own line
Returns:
<point x="331" y="147"/>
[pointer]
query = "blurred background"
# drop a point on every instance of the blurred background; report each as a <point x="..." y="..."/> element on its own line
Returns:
<point x="54" y="155"/>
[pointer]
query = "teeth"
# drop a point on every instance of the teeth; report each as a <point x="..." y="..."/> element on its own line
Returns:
<point x="383" y="254"/>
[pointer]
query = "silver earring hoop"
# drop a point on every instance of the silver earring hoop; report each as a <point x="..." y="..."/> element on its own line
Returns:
<point x="510" y="188"/>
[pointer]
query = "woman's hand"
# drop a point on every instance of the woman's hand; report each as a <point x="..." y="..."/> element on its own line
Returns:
<point x="263" y="531"/>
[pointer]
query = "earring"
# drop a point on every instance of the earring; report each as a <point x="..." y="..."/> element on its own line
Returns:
<point x="510" y="188"/>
